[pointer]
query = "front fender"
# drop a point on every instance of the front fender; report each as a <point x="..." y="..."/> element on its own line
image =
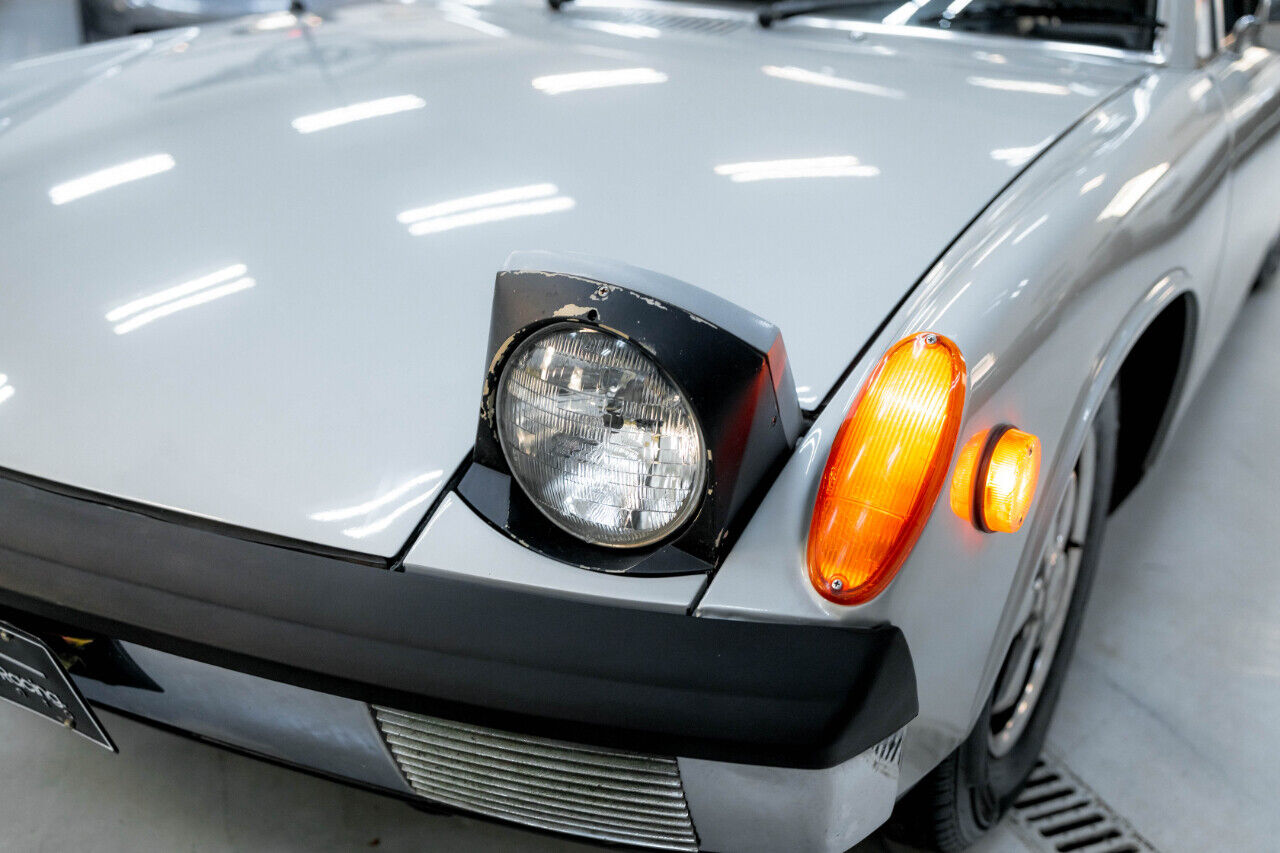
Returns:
<point x="1045" y="293"/>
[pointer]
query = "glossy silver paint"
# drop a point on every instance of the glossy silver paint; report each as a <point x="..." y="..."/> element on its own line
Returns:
<point x="459" y="543"/>
<point x="751" y="809"/>
<point x="325" y="733"/>
<point x="1159" y="193"/>
<point x="276" y="247"/>
<point x="339" y="390"/>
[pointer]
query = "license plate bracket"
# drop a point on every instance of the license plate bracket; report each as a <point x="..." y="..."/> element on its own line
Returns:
<point x="32" y="678"/>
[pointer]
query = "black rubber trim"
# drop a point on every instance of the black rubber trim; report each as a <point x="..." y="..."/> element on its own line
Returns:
<point x="221" y="527"/>
<point x="665" y="683"/>
<point x="980" y="475"/>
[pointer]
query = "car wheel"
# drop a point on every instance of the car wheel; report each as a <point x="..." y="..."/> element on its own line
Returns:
<point x="973" y="787"/>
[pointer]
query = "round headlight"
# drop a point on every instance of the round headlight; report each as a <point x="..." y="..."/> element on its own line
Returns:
<point x="599" y="438"/>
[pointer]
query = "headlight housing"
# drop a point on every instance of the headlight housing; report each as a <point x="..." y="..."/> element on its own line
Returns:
<point x="643" y="416"/>
<point x="599" y="438"/>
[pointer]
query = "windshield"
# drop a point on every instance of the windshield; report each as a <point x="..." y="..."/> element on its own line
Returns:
<point x="1124" y="24"/>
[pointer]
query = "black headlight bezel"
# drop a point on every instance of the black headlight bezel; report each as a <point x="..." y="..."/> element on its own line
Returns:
<point x="730" y="363"/>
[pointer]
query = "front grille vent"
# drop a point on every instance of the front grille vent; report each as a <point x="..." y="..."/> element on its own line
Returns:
<point x="1058" y="813"/>
<point x="708" y="25"/>
<point x="889" y="750"/>
<point x="606" y="795"/>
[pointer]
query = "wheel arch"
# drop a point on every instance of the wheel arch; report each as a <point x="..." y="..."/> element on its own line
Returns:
<point x="1152" y="381"/>
<point x="1136" y="341"/>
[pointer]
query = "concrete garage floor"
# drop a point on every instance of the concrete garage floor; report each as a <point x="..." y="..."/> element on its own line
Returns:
<point x="1170" y="712"/>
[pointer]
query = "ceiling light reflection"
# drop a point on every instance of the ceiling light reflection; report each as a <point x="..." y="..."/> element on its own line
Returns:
<point x="1019" y="156"/>
<point x="275" y="21"/>
<point x="631" y="31"/>
<point x="902" y="14"/>
<point x="816" y="78"/>
<point x="558" y="84"/>
<point x="807" y="167"/>
<point x="6" y="390"/>
<point x="982" y="368"/>
<point x="199" y="298"/>
<point x="357" y="112"/>
<point x="1033" y="87"/>
<point x="386" y="521"/>
<point x="491" y="214"/>
<point x="806" y="395"/>
<point x="1132" y="192"/>
<point x="1044" y="217"/>
<point x="1093" y="183"/>
<point x="1251" y="57"/>
<point x="382" y="500"/>
<point x="114" y="176"/>
<point x="115" y="315"/>
<point x="471" y="202"/>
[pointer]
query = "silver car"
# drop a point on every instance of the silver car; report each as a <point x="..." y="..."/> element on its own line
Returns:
<point x="685" y="426"/>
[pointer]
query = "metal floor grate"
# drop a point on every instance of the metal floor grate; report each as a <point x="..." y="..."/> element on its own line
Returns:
<point x="607" y="795"/>
<point x="1057" y="813"/>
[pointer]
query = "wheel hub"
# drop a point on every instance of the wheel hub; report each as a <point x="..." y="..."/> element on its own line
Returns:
<point x="1043" y="610"/>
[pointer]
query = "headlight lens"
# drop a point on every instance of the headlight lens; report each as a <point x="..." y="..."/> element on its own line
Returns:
<point x="599" y="438"/>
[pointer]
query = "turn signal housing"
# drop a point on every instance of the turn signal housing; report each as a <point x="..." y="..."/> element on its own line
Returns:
<point x="886" y="467"/>
<point x="995" y="479"/>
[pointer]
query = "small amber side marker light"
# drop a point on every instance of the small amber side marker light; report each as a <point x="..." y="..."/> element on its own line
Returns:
<point x="995" y="479"/>
<point x="886" y="467"/>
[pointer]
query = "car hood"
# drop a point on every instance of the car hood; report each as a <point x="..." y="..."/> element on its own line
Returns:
<point x="245" y="271"/>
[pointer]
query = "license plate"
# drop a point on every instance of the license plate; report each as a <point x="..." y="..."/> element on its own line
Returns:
<point x="32" y="678"/>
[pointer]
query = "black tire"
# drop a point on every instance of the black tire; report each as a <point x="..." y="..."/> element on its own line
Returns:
<point x="970" y="791"/>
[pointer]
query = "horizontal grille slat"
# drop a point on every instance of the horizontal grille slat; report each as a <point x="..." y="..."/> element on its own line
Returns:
<point x="689" y="21"/>
<point x="606" y="818"/>
<point x="501" y="740"/>
<point x="527" y="771"/>
<point x="641" y="802"/>
<point x="566" y="763"/>
<point x="609" y="795"/>
<point x="543" y="822"/>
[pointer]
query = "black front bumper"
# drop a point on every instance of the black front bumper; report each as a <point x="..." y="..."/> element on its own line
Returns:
<point x="346" y="624"/>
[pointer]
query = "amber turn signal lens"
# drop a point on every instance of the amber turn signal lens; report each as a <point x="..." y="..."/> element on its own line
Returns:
<point x="886" y="468"/>
<point x="995" y="479"/>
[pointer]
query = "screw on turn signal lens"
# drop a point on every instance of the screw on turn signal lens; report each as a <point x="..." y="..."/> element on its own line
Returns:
<point x="886" y="467"/>
<point x="995" y="479"/>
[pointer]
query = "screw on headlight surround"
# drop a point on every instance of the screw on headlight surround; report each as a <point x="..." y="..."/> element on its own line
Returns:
<point x="729" y="364"/>
<point x="599" y="438"/>
<point x="886" y="468"/>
